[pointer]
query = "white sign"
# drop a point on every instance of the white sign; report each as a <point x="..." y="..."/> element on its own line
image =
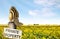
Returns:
<point x="12" y="33"/>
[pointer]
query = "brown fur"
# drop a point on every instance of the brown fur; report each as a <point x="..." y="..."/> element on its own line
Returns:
<point x="13" y="16"/>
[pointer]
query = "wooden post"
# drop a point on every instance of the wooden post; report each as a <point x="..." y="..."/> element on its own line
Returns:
<point x="12" y="25"/>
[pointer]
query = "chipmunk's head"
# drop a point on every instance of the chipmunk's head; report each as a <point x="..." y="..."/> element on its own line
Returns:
<point x="14" y="11"/>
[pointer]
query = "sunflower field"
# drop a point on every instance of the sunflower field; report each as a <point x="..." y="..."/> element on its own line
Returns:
<point x="36" y="32"/>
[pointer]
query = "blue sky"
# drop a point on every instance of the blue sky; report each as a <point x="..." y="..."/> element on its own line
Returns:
<point x="32" y="11"/>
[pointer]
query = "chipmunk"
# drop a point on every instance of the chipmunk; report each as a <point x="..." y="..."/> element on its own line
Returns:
<point x="14" y="15"/>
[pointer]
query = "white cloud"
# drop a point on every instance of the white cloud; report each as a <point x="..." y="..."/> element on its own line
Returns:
<point x="33" y="12"/>
<point x="43" y="12"/>
<point x="47" y="12"/>
<point x="58" y="6"/>
<point x="40" y="21"/>
<point x="47" y="3"/>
